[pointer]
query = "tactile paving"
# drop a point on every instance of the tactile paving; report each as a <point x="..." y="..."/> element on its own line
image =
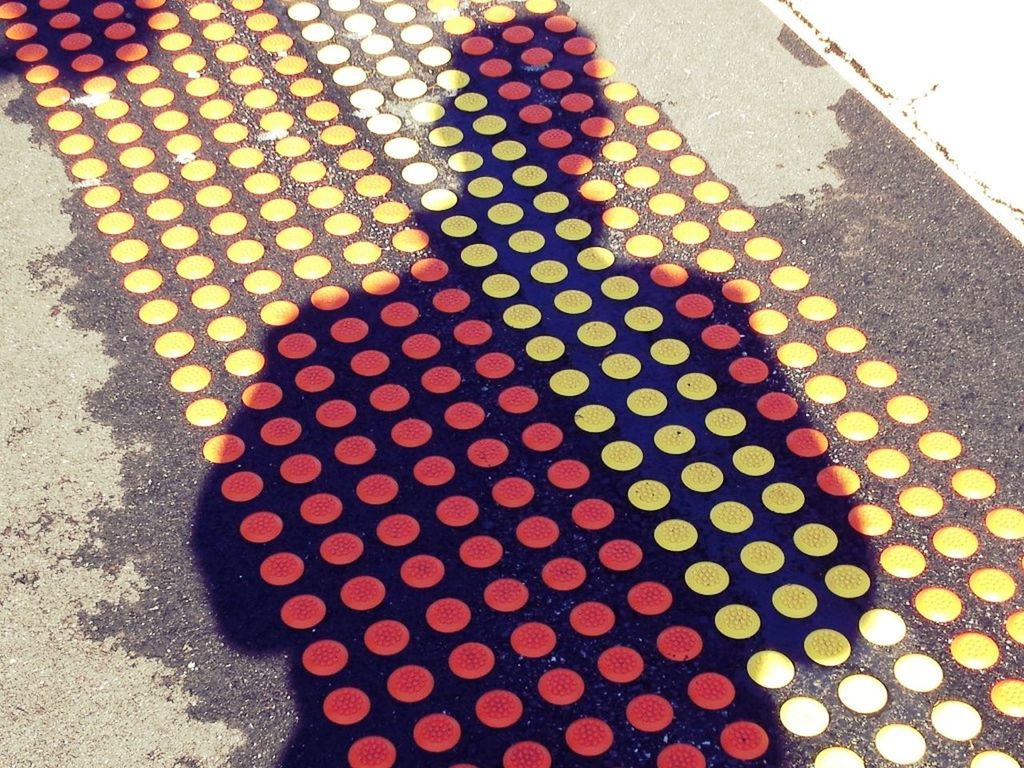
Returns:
<point x="526" y="444"/>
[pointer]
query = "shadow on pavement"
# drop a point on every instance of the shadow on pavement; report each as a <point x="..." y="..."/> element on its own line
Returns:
<point x="392" y="390"/>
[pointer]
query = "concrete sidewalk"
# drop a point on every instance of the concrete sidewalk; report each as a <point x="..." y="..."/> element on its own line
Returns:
<point x="941" y="73"/>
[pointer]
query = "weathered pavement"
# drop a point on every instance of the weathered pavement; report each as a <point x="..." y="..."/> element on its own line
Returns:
<point x="112" y="646"/>
<point x="937" y="73"/>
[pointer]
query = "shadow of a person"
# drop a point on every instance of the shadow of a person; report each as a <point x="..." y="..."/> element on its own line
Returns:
<point x="461" y="485"/>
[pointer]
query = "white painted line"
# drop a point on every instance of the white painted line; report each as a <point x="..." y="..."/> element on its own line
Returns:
<point x="942" y="74"/>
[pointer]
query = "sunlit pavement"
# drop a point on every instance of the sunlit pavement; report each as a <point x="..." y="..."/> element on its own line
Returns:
<point x="432" y="397"/>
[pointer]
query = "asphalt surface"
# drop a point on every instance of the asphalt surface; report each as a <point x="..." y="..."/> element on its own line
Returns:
<point x="911" y="260"/>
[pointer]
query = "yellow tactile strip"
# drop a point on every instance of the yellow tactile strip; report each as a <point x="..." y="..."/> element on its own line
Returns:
<point x="637" y="196"/>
